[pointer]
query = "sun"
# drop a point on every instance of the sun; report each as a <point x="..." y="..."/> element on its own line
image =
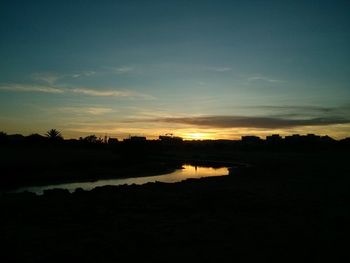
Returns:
<point x="197" y="136"/>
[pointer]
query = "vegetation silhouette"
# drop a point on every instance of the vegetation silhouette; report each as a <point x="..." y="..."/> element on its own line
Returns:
<point x="54" y="135"/>
<point x="91" y="139"/>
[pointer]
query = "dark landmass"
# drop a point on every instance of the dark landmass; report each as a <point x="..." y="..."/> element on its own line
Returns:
<point x="39" y="160"/>
<point x="291" y="204"/>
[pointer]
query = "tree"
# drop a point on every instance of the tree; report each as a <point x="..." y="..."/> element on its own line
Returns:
<point x="54" y="135"/>
<point x="92" y="139"/>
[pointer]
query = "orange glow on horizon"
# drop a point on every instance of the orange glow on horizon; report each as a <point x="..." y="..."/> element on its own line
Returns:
<point x="122" y="131"/>
<point x="197" y="136"/>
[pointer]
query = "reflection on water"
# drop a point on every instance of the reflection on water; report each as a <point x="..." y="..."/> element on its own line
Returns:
<point x="187" y="172"/>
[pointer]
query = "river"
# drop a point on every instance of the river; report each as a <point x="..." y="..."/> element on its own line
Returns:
<point x="187" y="171"/>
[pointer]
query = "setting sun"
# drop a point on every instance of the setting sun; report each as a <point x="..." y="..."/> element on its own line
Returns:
<point x="197" y="136"/>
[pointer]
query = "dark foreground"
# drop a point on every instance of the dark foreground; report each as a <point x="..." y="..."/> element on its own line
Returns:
<point x="289" y="210"/>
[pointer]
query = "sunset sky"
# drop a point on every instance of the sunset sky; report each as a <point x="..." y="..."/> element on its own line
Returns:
<point x="198" y="69"/>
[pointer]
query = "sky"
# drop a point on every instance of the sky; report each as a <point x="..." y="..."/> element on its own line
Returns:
<point x="197" y="69"/>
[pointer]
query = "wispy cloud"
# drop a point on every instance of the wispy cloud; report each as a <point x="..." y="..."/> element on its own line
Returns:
<point x="109" y="93"/>
<point x="296" y="107"/>
<point x="46" y="77"/>
<point x="84" y="91"/>
<point x="250" y="122"/>
<point x="98" y="111"/>
<point x="297" y="111"/>
<point x="264" y="78"/>
<point x="305" y="111"/>
<point x="121" y="70"/>
<point x="86" y="110"/>
<point x="30" y="88"/>
<point x="102" y="93"/>
<point x="52" y="78"/>
<point x="220" y="69"/>
<point x="82" y="74"/>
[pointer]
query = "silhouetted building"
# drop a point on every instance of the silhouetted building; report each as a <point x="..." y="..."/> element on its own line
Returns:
<point x="274" y="138"/>
<point x="305" y="140"/>
<point x="136" y="139"/>
<point x="292" y="138"/>
<point x="170" y="139"/>
<point x="251" y="139"/>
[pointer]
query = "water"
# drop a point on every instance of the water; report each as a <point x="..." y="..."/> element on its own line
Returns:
<point x="187" y="172"/>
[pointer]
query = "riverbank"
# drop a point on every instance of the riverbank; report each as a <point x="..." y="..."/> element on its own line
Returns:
<point x="48" y="165"/>
<point x="32" y="166"/>
<point x="42" y="164"/>
<point x="290" y="211"/>
<point x="186" y="172"/>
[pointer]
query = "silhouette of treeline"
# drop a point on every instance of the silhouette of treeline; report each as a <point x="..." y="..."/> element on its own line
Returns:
<point x="49" y="158"/>
<point x="275" y="141"/>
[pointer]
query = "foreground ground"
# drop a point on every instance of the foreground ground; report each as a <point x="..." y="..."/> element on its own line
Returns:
<point x="291" y="207"/>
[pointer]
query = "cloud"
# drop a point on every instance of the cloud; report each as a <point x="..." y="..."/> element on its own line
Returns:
<point x="82" y="74"/>
<point x="47" y="77"/>
<point x="293" y="108"/>
<point x="86" y="110"/>
<point x="305" y="111"/>
<point x="84" y="91"/>
<point x="31" y="88"/>
<point x="98" y="111"/>
<point x="51" y="78"/>
<point x="121" y="70"/>
<point x="109" y="93"/>
<point x="297" y="111"/>
<point x="251" y="122"/>
<point x="221" y="69"/>
<point x="264" y="78"/>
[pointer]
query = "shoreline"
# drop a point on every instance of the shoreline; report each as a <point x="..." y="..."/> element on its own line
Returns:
<point x="68" y="180"/>
<point x="134" y="174"/>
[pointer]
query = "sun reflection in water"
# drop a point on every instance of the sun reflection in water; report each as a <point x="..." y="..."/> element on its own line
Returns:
<point x="188" y="171"/>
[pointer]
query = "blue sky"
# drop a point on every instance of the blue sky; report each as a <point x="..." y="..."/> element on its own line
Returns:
<point x="152" y="67"/>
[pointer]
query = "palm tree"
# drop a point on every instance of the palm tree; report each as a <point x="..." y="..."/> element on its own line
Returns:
<point x="54" y="134"/>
